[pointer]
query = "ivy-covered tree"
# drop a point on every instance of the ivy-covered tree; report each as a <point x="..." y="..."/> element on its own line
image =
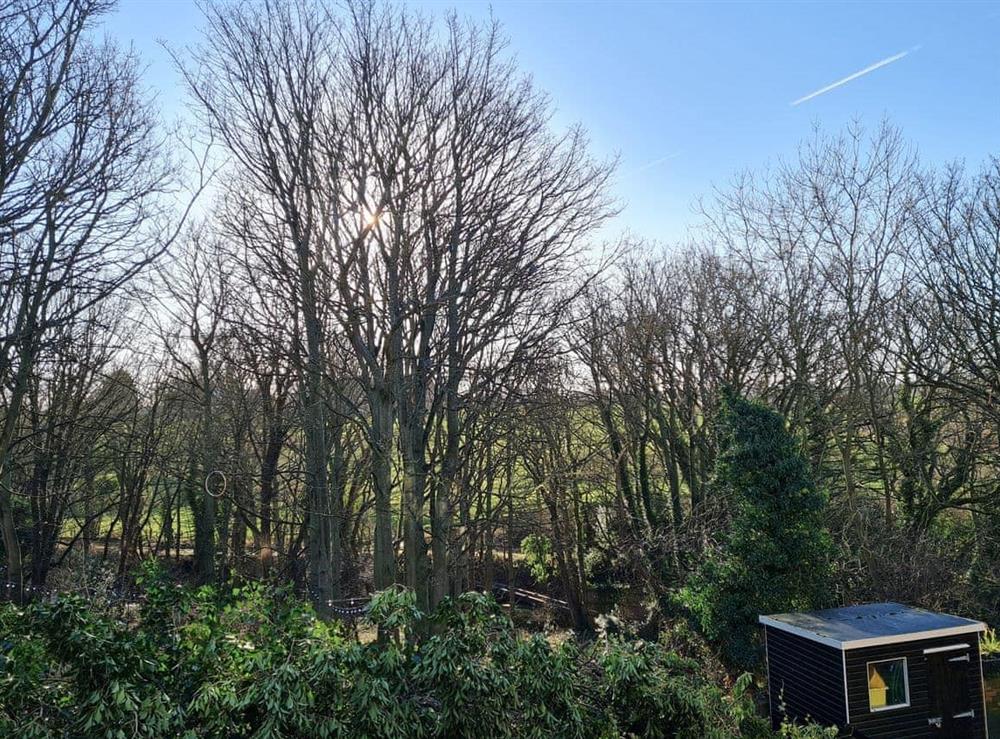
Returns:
<point x="776" y="555"/>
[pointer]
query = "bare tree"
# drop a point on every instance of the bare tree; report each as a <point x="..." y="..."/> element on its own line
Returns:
<point x="423" y="182"/>
<point x="80" y="172"/>
<point x="189" y="314"/>
<point x="262" y="80"/>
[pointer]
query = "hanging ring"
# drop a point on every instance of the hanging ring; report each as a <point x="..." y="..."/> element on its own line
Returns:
<point x="208" y="477"/>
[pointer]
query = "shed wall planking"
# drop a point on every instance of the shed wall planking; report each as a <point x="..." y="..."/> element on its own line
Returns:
<point x="806" y="677"/>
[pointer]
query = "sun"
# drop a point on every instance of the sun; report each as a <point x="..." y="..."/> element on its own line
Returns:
<point x="371" y="218"/>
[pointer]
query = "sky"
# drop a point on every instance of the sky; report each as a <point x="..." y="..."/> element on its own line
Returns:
<point x="687" y="95"/>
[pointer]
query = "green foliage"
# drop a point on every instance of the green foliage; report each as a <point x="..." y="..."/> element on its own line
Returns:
<point x="599" y="567"/>
<point x="776" y="555"/>
<point x="808" y="731"/>
<point x="537" y="551"/>
<point x="656" y="693"/>
<point x="68" y="672"/>
<point x="252" y="662"/>
<point x="989" y="642"/>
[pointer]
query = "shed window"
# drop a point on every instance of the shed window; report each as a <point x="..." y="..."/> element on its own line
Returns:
<point x="888" y="684"/>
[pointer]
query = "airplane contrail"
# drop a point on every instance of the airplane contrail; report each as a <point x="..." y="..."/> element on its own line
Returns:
<point x="655" y="162"/>
<point x="860" y="73"/>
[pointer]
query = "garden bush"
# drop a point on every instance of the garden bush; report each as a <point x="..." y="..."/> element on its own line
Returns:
<point x="776" y="555"/>
<point x="259" y="663"/>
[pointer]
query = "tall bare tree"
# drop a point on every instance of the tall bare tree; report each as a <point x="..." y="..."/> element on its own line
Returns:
<point x="80" y="172"/>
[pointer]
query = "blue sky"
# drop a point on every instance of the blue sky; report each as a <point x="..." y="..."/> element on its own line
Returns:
<point x="687" y="94"/>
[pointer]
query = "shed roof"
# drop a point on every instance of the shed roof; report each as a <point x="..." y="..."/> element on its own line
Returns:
<point x="871" y="625"/>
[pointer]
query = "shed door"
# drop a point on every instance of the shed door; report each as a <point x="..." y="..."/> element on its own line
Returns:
<point x="952" y="714"/>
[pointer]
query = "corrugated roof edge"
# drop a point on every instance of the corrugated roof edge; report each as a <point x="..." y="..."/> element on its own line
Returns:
<point x="972" y="627"/>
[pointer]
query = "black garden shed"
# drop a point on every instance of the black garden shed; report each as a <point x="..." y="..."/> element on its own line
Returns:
<point x="880" y="670"/>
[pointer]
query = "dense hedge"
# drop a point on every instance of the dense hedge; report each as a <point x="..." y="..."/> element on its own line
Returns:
<point x="197" y="663"/>
<point x="775" y="556"/>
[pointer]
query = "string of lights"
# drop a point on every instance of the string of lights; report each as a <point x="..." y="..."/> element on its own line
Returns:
<point x="11" y="590"/>
<point x="343" y="608"/>
<point x="346" y="609"/>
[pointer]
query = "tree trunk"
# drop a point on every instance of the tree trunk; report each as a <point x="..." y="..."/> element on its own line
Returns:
<point x="414" y="544"/>
<point x="323" y="547"/>
<point x="268" y="477"/>
<point x="381" y="450"/>
<point x="202" y="490"/>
